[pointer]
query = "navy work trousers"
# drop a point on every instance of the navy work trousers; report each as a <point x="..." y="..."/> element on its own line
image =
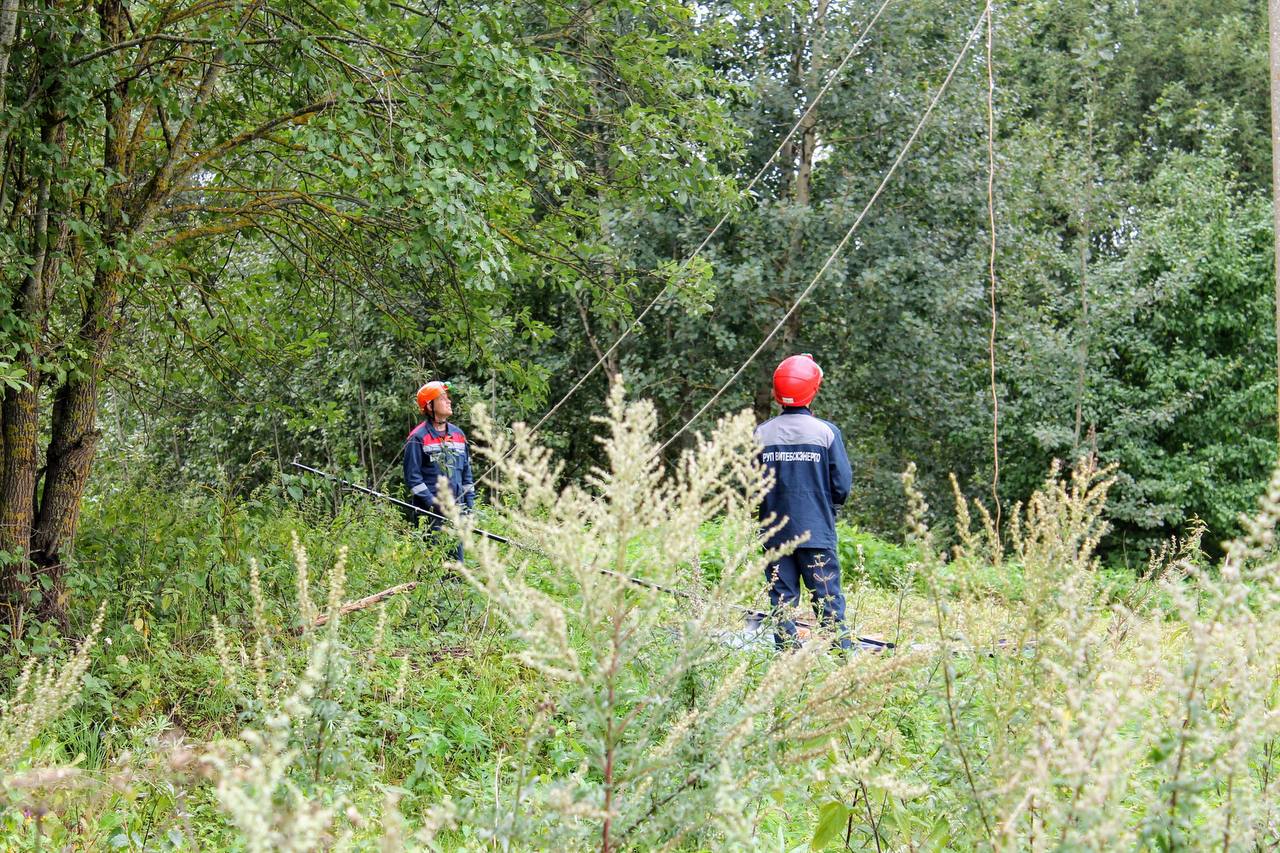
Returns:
<point x="819" y="570"/>
<point x="433" y="522"/>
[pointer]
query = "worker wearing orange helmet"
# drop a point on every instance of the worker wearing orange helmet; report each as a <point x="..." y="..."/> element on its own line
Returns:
<point x="812" y="478"/>
<point x="436" y="453"/>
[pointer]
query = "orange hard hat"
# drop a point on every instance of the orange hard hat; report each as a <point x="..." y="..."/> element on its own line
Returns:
<point x="429" y="392"/>
<point x="796" y="380"/>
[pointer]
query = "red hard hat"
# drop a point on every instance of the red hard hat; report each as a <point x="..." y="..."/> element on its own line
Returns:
<point x="796" y="380"/>
<point x="429" y="392"/>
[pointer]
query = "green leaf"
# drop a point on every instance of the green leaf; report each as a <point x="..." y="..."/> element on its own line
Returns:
<point x="833" y="817"/>
<point x="939" y="836"/>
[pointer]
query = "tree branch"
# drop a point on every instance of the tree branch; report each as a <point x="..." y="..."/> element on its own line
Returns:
<point x="297" y="117"/>
<point x="157" y="188"/>
<point x="359" y="604"/>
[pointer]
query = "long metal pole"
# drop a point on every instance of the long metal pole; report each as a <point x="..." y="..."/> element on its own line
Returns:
<point x="679" y="593"/>
<point x="485" y="533"/>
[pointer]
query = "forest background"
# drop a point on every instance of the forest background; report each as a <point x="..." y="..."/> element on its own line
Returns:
<point x="242" y="233"/>
<point x="237" y="236"/>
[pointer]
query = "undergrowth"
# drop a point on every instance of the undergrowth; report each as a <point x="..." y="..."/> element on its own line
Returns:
<point x="218" y="697"/>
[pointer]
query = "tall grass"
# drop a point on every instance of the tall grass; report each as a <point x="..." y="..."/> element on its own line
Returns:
<point x="681" y="732"/>
<point x="545" y="701"/>
<point x="1064" y="719"/>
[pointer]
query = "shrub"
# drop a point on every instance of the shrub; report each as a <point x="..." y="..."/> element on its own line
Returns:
<point x="866" y="556"/>
<point x="1077" y="719"/>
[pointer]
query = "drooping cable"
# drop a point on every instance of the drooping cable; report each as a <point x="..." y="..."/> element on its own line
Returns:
<point x="991" y="266"/>
<point x="804" y="294"/>
<point x="865" y="643"/>
<point x="635" y="324"/>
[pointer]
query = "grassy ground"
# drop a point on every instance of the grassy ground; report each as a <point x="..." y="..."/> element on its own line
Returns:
<point x="427" y="712"/>
<point x="168" y="565"/>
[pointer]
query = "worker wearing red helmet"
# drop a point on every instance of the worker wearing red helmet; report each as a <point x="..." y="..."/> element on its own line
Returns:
<point x="437" y="451"/>
<point x="812" y="477"/>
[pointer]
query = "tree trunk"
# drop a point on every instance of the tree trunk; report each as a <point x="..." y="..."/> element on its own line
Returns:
<point x="72" y="446"/>
<point x="38" y="515"/>
<point x="8" y="32"/>
<point x="19" y="471"/>
<point x="1085" y="239"/>
<point x="74" y="434"/>
<point x="600" y="153"/>
<point x="762" y="404"/>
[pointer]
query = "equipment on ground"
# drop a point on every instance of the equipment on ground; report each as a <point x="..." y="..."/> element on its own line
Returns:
<point x="755" y="620"/>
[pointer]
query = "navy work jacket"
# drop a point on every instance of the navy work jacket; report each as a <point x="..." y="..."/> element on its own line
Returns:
<point x="812" y="476"/>
<point x="430" y="455"/>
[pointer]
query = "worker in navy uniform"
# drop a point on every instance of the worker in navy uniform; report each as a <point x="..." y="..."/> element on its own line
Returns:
<point x="437" y="451"/>
<point x="812" y="478"/>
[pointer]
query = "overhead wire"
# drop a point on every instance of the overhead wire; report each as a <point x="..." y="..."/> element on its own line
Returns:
<point x="635" y="324"/>
<point x="982" y="18"/>
<point x="991" y="225"/>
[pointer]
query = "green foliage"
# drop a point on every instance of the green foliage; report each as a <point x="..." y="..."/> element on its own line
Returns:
<point x="1195" y="396"/>
<point x="482" y="184"/>
<point x="450" y="716"/>
<point x="198" y="194"/>
<point x="587" y="157"/>
<point x="864" y="556"/>
<point x="489" y="194"/>
<point x="1110" y="120"/>
<point x="415" y="699"/>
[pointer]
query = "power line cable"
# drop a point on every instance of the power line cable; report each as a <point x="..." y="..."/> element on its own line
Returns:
<point x="991" y="226"/>
<point x="843" y="242"/>
<point x="864" y="643"/>
<point x="635" y="324"/>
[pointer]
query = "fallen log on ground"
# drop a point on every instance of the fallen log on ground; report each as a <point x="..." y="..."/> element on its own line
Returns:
<point x="359" y="604"/>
